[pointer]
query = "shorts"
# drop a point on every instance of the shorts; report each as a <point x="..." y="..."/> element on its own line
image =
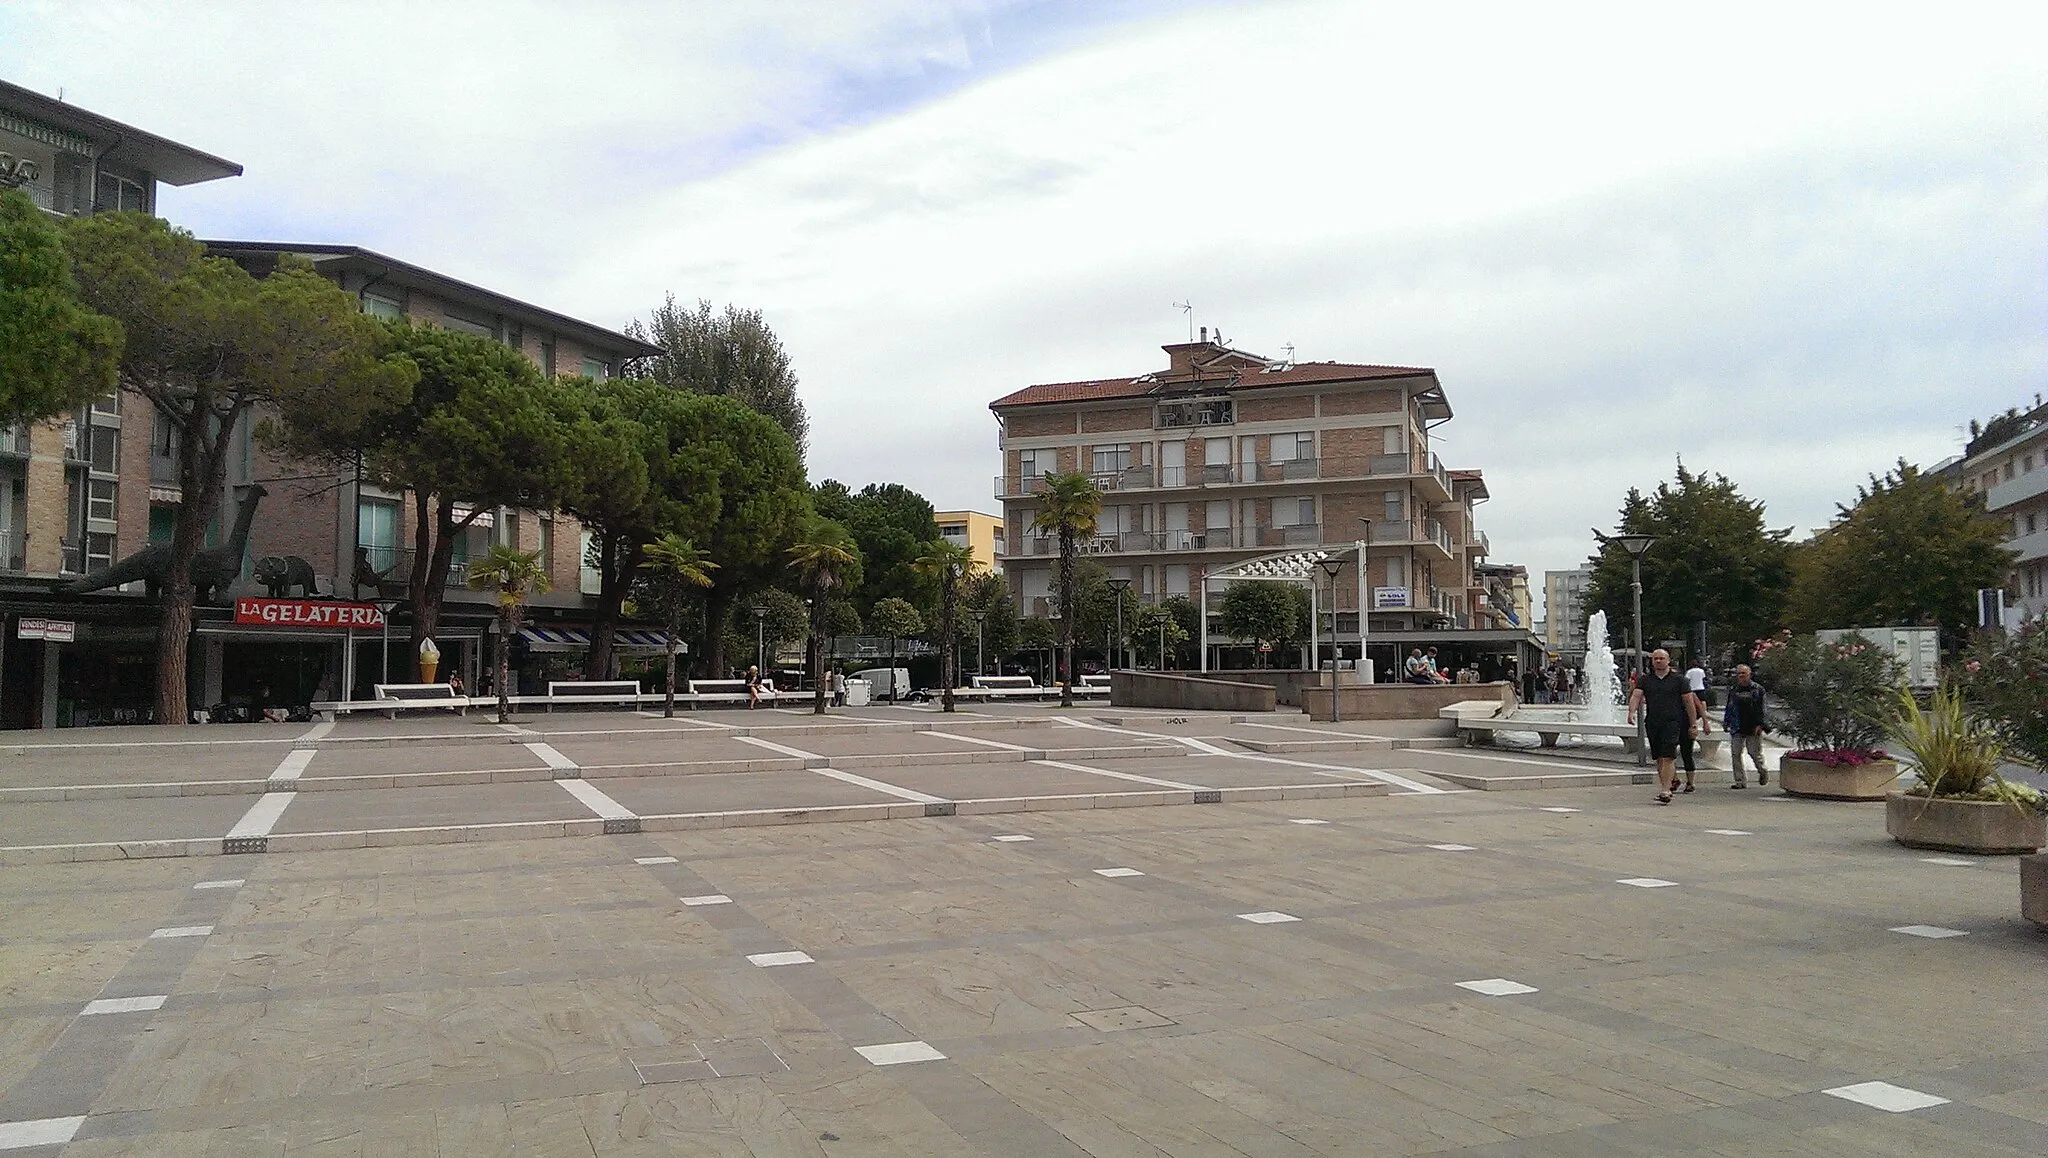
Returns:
<point x="1665" y="736"/>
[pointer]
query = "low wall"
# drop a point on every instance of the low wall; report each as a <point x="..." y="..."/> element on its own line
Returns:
<point x="1400" y="701"/>
<point x="1144" y="689"/>
<point x="1286" y="683"/>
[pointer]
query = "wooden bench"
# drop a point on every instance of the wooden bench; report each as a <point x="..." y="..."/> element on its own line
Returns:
<point x="593" y="692"/>
<point x="398" y="697"/>
<point x="999" y="688"/>
<point x="726" y="691"/>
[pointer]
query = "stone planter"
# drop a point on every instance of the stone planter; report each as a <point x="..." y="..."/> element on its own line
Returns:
<point x="1984" y="827"/>
<point x="2034" y="888"/>
<point x="1813" y="779"/>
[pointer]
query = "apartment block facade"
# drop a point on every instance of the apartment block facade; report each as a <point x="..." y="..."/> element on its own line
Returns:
<point x="981" y="534"/>
<point x="2011" y="473"/>
<point x="1225" y="456"/>
<point x="1565" y="611"/>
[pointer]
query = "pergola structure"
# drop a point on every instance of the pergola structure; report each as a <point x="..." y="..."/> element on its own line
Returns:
<point x="1286" y="567"/>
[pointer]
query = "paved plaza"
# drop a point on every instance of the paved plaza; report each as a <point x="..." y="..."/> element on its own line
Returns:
<point x="1007" y="931"/>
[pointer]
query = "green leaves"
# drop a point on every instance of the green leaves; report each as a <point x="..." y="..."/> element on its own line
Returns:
<point x="1912" y="550"/>
<point x="1265" y="610"/>
<point x="56" y="353"/>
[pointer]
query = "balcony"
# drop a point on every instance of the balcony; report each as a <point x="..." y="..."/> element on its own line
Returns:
<point x="394" y="564"/>
<point x="13" y="551"/>
<point x="14" y="440"/>
<point x="1378" y="466"/>
<point x="2031" y="484"/>
<point x="2030" y="547"/>
<point x="71" y="556"/>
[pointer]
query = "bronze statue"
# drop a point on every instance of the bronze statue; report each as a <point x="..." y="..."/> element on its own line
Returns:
<point x="280" y="573"/>
<point x="214" y="568"/>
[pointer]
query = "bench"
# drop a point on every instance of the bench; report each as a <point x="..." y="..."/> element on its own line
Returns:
<point x="726" y="691"/>
<point x="593" y="692"/>
<point x="1092" y="685"/>
<point x="393" y="698"/>
<point x="999" y="687"/>
<point x="1472" y="730"/>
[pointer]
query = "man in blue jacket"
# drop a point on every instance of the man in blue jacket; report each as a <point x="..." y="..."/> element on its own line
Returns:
<point x="1744" y="720"/>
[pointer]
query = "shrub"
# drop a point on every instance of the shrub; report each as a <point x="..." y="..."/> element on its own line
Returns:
<point x="1833" y="694"/>
<point x="2004" y="679"/>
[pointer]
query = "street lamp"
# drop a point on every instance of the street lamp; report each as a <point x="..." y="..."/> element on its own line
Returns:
<point x="811" y="642"/>
<point x="1635" y="545"/>
<point x="980" y="615"/>
<point x="1330" y="567"/>
<point x="1364" y="597"/>
<point x="1117" y="587"/>
<point x="384" y="609"/>
<point x="760" y="637"/>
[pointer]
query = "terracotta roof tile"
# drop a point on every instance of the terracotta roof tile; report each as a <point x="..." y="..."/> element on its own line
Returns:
<point x="1104" y="388"/>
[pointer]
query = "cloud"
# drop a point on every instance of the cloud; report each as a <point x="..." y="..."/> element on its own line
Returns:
<point x="1788" y="245"/>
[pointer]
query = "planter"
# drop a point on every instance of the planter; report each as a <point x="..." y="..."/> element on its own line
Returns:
<point x="1813" y="779"/>
<point x="1984" y="827"/>
<point x="2034" y="889"/>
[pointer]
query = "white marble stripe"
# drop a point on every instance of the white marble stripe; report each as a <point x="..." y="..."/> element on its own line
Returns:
<point x="876" y="785"/>
<point x="182" y="931"/>
<point x="547" y="753"/>
<point x="262" y="815"/>
<point x="1415" y="787"/>
<point x="123" y="1005"/>
<point x="978" y="740"/>
<point x="316" y="733"/>
<point x="294" y="764"/>
<point x="39" y="1132"/>
<point x="782" y="749"/>
<point x="594" y="799"/>
<point x="1133" y="777"/>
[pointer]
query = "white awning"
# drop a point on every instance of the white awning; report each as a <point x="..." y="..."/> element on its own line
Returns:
<point x="578" y="639"/>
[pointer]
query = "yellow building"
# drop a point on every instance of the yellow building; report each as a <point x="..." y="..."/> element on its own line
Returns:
<point x="979" y="533"/>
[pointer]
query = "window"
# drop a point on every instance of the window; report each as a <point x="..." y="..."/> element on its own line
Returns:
<point x="1112" y="458"/>
<point x="99" y="551"/>
<point x="1032" y="463"/>
<point x="547" y="356"/>
<point x="1217" y="517"/>
<point x="1397" y="572"/>
<point x="1294" y="512"/>
<point x="119" y="193"/>
<point x="596" y="368"/>
<point x="377" y="531"/>
<point x="589" y="581"/>
<point x="954" y="533"/>
<point x="2008" y="470"/>
<point x="2030" y="523"/>
<point x="547" y="544"/>
<point x="469" y="325"/>
<point x="382" y="306"/>
<point x="1393" y="507"/>
<point x="105" y="448"/>
<point x="1298" y="447"/>
<point x="1176" y="578"/>
<point x="101" y="499"/>
<point x="507" y="528"/>
<point x="163" y="522"/>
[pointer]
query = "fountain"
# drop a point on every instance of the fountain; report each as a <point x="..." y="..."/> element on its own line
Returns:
<point x="1599" y="695"/>
<point x="1599" y="706"/>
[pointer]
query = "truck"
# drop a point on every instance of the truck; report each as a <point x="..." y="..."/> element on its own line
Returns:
<point x="884" y="683"/>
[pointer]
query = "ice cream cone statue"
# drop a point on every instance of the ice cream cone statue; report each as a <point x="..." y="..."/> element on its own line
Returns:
<point x="430" y="660"/>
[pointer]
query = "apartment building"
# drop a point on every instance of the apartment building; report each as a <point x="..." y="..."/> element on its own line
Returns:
<point x="2008" y="466"/>
<point x="1224" y="456"/>
<point x="1565" y="611"/>
<point x="80" y="493"/>
<point x="981" y="534"/>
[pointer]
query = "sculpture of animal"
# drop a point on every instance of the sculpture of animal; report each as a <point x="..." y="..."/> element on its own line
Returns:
<point x="380" y="583"/>
<point x="212" y="569"/>
<point x="280" y="573"/>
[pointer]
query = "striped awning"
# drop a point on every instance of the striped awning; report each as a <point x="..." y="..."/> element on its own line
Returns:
<point x="578" y="638"/>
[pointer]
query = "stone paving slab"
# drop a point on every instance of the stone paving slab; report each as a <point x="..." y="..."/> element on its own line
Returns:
<point x="419" y="807"/>
<point x="739" y="790"/>
<point x="174" y="819"/>
<point x="109" y="765"/>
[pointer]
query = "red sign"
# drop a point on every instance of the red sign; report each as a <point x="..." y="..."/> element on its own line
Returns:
<point x="328" y="614"/>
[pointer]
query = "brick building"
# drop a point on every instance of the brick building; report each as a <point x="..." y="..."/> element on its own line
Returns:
<point x="82" y="492"/>
<point x="1225" y="456"/>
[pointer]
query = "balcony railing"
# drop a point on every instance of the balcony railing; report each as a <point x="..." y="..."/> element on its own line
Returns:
<point x="1235" y="474"/>
<point x="395" y="564"/>
<point x="2009" y="494"/>
<point x="71" y="556"/>
<point x="13" y="550"/>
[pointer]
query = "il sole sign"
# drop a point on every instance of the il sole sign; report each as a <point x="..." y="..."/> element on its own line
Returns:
<point x="330" y="614"/>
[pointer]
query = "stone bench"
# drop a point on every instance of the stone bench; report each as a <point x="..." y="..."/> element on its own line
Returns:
<point x="1473" y="730"/>
<point x="394" y="698"/>
<point x="1000" y="687"/>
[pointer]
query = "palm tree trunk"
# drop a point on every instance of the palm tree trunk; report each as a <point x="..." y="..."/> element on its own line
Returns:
<point x="818" y="676"/>
<point x="504" y="663"/>
<point x="949" y="659"/>
<point x="1067" y="613"/>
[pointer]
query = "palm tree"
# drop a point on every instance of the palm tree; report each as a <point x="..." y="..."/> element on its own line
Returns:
<point x="512" y="576"/>
<point x="1069" y="505"/>
<point x="946" y="562"/>
<point x="672" y="568"/>
<point x="823" y="558"/>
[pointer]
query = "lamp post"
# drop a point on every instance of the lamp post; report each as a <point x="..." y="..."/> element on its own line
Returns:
<point x="1635" y="545"/>
<point x="384" y="609"/>
<point x="1364" y="597"/>
<point x="1117" y="587"/>
<point x="980" y="615"/>
<point x="1330" y="567"/>
<point x="760" y="637"/>
<point x="811" y="643"/>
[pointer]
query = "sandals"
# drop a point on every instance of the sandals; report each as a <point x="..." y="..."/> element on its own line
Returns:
<point x="1688" y="786"/>
<point x="1663" y="798"/>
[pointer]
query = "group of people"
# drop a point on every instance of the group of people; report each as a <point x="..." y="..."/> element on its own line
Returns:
<point x="1422" y="668"/>
<point x="1673" y="708"/>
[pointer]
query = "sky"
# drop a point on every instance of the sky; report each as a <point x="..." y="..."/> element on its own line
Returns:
<point x="1789" y="243"/>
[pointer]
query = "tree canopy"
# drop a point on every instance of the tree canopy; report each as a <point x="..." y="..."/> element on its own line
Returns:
<point x="1270" y="612"/>
<point x="890" y="524"/>
<point x="56" y="353"/>
<point x="733" y="354"/>
<point x="1714" y="560"/>
<point x="205" y="344"/>
<point x="1912" y="550"/>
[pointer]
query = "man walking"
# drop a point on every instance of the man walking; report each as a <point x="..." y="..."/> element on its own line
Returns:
<point x="1743" y="719"/>
<point x="1668" y="710"/>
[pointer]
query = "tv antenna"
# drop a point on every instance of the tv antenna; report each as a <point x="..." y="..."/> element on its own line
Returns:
<point x="1188" y="308"/>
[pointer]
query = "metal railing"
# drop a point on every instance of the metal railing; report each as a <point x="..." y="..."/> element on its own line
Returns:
<point x="395" y="565"/>
<point x="71" y="557"/>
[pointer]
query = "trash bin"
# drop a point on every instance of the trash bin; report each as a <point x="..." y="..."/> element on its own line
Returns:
<point x="856" y="693"/>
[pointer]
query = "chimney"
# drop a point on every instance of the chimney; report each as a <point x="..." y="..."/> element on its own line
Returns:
<point x="1205" y="333"/>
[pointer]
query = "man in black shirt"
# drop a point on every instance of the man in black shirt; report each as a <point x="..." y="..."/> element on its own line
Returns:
<point x="1669" y="709"/>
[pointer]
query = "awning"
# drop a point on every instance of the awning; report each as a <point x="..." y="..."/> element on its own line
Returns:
<point x="578" y="639"/>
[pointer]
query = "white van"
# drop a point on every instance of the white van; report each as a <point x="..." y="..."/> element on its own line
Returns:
<point x="884" y="683"/>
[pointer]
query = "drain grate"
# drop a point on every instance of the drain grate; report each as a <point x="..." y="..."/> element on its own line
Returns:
<point x="1123" y="1017"/>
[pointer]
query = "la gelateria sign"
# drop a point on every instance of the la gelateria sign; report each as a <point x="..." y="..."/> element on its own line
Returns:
<point x="320" y="614"/>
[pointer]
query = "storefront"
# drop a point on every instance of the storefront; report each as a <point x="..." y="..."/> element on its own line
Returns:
<point x="65" y="666"/>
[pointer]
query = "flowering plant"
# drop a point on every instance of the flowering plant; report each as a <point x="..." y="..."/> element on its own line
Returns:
<point x="2005" y="681"/>
<point x="1833" y="692"/>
